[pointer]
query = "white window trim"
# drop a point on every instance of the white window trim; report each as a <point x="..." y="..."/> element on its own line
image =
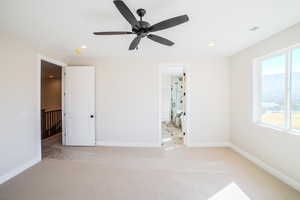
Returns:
<point x="256" y="105"/>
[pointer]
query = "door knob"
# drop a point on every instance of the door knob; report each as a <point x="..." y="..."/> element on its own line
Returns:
<point x="92" y="116"/>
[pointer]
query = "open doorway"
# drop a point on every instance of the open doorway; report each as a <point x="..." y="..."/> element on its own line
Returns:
<point x="173" y="107"/>
<point x="51" y="107"/>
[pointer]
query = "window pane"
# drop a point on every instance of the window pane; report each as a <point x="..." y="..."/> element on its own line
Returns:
<point x="273" y="91"/>
<point x="295" y="93"/>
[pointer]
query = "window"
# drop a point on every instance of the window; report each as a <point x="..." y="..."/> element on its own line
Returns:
<point x="295" y="90"/>
<point x="277" y="90"/>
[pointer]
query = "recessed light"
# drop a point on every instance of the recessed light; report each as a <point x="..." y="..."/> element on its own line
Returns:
<point x="83" y="47"/>
<point x="254" y="28"/>
<point x="211" y="44"/>
<point x="78" y="51"/>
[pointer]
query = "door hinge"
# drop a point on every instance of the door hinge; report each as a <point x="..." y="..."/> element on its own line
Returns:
<point x="184" y="133"/>
<point x="184" y="114"/>
<point x="184" y="94"/>
<point x="184" y="74"/>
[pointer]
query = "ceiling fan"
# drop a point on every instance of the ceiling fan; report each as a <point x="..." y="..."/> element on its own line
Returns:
<point x="142" y="28"/>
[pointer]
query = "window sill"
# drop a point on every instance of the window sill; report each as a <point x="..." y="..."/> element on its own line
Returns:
<point x="288" y="131"/>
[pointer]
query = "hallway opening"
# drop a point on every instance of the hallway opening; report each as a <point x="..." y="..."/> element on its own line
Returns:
<point x="51" y="107"/>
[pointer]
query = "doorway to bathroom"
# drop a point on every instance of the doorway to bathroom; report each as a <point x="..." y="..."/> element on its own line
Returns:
<point x="173" y="103"/>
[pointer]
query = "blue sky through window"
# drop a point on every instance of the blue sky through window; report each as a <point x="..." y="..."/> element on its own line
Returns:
<point x="296" y="60"/>
<point x="276" y="65"/>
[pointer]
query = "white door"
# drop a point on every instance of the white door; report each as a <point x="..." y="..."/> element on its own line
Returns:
<point x="80" y="106"/>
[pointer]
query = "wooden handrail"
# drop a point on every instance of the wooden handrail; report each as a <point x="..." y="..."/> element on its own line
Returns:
<point x="51" y="122"/>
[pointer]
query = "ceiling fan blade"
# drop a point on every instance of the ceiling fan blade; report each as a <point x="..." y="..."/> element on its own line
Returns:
<point x="127" y="14"/>
<point x="113" y="33"/>
<point x="135" y="43"/>
<point x="160" y="40"/>
<point x="169" y="23"/>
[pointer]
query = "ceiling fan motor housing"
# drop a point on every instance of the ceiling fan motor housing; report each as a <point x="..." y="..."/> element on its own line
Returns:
<point x="143" y="27"/>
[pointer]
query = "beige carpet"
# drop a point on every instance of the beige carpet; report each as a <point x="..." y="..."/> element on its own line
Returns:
<point x="73" y="173"/>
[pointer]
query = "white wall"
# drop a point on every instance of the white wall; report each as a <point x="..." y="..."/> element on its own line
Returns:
<point x="127" y="99"/>
<point x="18" y="107"/>
<point x="278" y="149"/>
<point x="126" y="102"/>
<point x="19" y="100"/>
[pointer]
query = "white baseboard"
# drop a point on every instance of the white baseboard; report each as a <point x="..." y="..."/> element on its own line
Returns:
<point x="203" y="144"/>
<point x="284" y="178"/>
<point x="126" y="144"/>
<point x="130" y="144"/>
<point x="14" y="172"/>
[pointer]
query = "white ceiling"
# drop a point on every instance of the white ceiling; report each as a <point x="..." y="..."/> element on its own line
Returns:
<point x="61" y="26"/>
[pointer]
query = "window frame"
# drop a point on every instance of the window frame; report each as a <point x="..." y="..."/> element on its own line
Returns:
<point x="257" y="90"/>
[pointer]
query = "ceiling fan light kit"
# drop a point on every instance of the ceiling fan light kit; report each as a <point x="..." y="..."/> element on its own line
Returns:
<point x="142" y="28"/>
